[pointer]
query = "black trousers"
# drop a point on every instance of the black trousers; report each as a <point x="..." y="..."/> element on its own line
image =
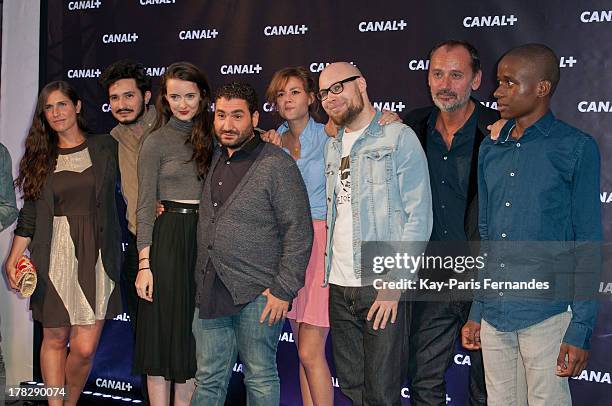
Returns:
<point x="128" y="278"/>
<point x="433" y="331"/>
<point x="370" y="364"/>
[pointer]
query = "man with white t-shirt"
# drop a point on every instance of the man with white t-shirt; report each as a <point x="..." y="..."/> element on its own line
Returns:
<point x="377" y="186"/>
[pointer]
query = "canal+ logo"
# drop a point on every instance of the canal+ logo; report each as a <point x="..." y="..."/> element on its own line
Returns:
<point x="284" y="30"/>
<point x="395" y="106"/>
<point x="84" y="5"/>
<point x="119" y="38"/>
<point x="85" y="73"/>
<point x="489" y="21"/>
<point x="204" y="33"/>
<point x="316" y="67"/>
<point x="586" y="106"/>
<point x="249" y="69"/>
<point x="567" y="61"/>
<point x="156" y="2"/>
<point x="418" y="64"/>
<point x="604" y="16"/>
<point x="385" y="25"/>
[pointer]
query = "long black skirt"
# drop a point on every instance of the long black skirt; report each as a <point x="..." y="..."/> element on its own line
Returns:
<point x="164" y="343"/>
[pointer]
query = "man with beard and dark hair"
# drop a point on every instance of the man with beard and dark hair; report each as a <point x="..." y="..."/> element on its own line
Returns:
<point x="378" y="191"/>
<point x="254" y="242"/>
<point x="450" y="132"/>
<point x="129" y="92"/>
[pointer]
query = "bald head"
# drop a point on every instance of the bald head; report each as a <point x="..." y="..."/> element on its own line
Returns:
<point x="336" y="72"/>
<point x="343" y="95"/>
<point x="540" y="60"/>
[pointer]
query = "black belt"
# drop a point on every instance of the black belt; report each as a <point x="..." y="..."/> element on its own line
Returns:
<point x="181" y="210"/>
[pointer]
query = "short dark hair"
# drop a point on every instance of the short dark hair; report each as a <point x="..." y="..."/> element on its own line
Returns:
<point x="239" y="90"/>
<point x="543" y="58"/>
<point x="452" y="43"/>
<point x="126" y="69"/>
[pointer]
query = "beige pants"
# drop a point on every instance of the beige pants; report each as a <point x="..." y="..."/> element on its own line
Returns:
<point x="520" y="365"/>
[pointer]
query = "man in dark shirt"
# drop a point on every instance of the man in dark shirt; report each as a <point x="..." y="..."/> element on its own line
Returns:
<point x="450" y="133"/>
<point x="538" y="186"/>
<point x="129" y="93"/>
<point x="254" y="242"/>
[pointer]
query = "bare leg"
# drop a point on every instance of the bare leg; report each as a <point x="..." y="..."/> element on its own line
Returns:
<point x="53" y="358"/>
<point x="83" y="344"/>
<point x="183" y="392"/>
<point x="304" y="389"/>
<point x="312" y="356"/>
<point x="159" y="391"/>
<point x="315" y="377"/>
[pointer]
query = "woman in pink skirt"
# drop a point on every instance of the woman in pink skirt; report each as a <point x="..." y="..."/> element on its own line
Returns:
<point x="292" y="92"/>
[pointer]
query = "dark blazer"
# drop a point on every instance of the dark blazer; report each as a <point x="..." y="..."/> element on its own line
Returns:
<point x="417" y="120"/>
<point x="36" y="217"/>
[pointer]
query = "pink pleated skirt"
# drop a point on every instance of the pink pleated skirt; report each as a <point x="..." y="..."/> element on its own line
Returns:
<point x="311" y="304"/>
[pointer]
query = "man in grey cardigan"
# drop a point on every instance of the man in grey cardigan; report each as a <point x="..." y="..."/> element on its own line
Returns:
<point x="254" y="242"/>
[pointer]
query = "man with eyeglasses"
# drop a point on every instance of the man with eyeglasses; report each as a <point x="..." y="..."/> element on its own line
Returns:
<point x="378" y="190"/>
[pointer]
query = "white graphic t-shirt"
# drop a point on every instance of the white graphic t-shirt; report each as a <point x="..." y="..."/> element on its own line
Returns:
<point x="342" y="273"/>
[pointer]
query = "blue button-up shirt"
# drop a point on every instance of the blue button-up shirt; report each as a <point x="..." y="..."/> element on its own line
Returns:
<point x="449" y="173"/>
<point x="541" y="187"/>
<point x="312" y="165"/>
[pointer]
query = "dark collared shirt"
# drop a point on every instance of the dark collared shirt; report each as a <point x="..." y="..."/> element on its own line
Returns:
<point x="449" y="174"/>
<point x="216" y="300"/>
<point x="543" y="187"/>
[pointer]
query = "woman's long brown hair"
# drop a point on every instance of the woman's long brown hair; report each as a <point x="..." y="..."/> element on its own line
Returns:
<point x="40" y="154"/>
<point x="201" y="138"/>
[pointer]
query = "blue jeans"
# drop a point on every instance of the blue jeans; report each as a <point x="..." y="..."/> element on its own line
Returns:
<point x="220" y="340"/>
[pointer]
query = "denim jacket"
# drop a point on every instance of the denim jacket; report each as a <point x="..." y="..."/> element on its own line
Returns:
<point x="390" y="192"/>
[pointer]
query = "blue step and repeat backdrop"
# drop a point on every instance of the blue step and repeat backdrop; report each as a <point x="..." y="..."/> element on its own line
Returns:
<point x="389" y="41"/>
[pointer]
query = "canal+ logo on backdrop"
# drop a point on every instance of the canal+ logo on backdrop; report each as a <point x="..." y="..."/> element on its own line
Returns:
<point x="489" y="21"/>
<point x="285" y="30"/>
<point x="245" y="69"/>
<point x="384" y="25"/>
<point x="84" y="5"/>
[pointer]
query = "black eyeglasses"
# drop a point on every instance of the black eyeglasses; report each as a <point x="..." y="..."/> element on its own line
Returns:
<point x="336" y="88"/>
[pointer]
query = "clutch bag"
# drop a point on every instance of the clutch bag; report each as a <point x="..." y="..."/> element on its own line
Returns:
<point x="26" y="276"/>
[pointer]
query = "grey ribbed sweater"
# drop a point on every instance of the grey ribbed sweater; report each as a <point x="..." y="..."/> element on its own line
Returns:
<point x="165" y="172"/>
<point x="262" y="235"/>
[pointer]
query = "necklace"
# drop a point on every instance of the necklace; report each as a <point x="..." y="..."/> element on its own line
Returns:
<point x="292" y="144"/>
